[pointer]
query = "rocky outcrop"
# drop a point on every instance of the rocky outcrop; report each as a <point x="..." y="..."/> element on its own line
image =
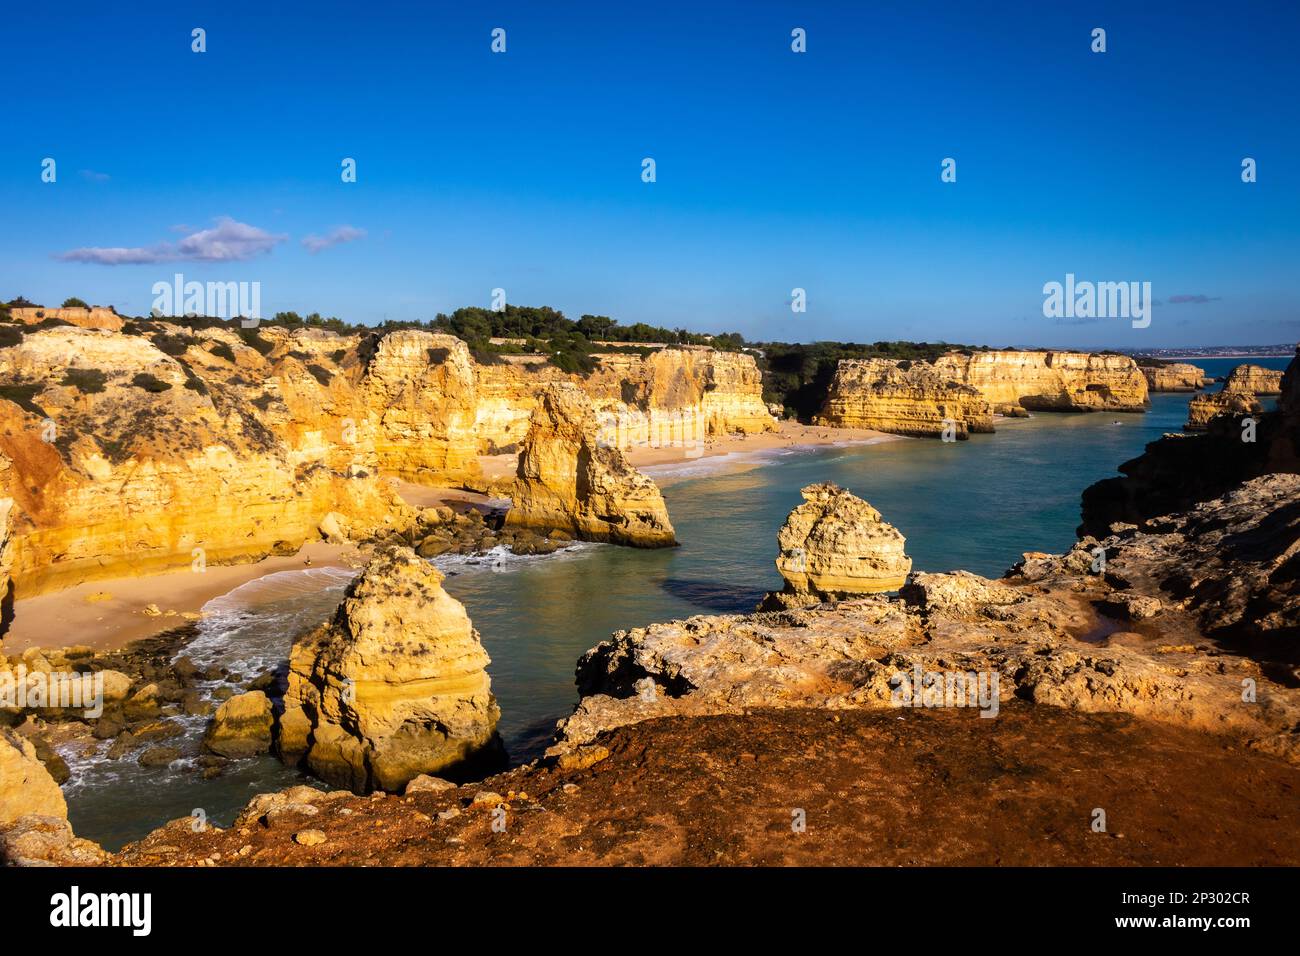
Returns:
<point x="1178" y="471"/>
<point x="672" y="396"/>
<point x="241" y="727"/>
<point x="1050" y="381"/>
<point x="395" y="686"/>
<point x="569" y="478"/>
<point x="1254" y="379"/>
<point x="420" y="389"/>
<point x="1031" y="636"/>
<point x="26" y="787"/>
<point x="1174" y="377"/>
<point x="835" y="546"/>
<point x="903" y="398"/>
<point x="1237" y="397"/>
<point x="95" y="317"/>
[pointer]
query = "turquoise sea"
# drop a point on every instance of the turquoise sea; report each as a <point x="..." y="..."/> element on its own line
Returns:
<point x="975" y="505"/>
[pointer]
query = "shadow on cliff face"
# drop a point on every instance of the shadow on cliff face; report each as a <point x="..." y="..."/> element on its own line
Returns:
<point x="715" y="597"/>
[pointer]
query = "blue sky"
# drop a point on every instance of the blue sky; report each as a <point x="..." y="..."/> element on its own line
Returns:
<point x="775" y="170"/>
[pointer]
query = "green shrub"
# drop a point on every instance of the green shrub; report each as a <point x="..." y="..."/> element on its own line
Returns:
<point x="222" y="350"/>
<point x="72" y="302"/>
<point x="88" y="381"/>
<point x="150" y="383"/>
<point x="22" y="395"/>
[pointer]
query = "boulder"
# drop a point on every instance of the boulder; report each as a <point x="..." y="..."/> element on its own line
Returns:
<point x="241" y="726"/>
<point x="395" y="686"/>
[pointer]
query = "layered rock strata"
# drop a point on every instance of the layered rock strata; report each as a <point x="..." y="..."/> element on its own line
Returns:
<point x="1050" y="381"/>
<point x="1174" y="377"/>
<point x="835" y="546"/>
<point x="569" y="478"/>
<point x="903" y="398"/>
<point x="395" y="686"/>
<point x="165" y="445"/>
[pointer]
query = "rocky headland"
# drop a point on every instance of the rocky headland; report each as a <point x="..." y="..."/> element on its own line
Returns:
<point x="1175" y="377"/>
<point x="958" y="393"/>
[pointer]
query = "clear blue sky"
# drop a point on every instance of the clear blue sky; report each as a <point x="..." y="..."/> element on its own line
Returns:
<point x="775" y="170"/>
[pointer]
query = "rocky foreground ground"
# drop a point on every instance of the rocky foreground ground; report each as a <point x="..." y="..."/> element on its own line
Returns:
<point x="883" y="788"/>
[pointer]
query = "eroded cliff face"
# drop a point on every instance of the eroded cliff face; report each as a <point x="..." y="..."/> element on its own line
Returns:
<point x="126" y="459"/>
<point x="671" y="396"/>
<point x="835" y="546"/>
<point x="903" y="398"/>
<point x="394" y="687"/>
<point x="164" y="446"/>
<point x="95" y="317"/>
<point x="958" y="394"/>
<point x="1174" y="377"/>
<point x="569" y="478"/>
<point x="1050" y="381"/>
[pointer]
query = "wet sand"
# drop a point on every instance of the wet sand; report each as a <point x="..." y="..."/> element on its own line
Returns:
<point x="109" y="614"/>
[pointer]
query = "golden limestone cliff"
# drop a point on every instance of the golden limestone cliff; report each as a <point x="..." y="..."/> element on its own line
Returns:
<point x="1011" y="380"/>
<point x="395" y="686"/>
<point x="421" y="389"/>
<point x="1237" y="397"/>
<point x="569" y="478"/>
<point x="94" y="317"/>
<point x="1174" y="377"/>
<point x="835" y="546"/>
<point x="671" y="396"/>
<point x="903" y="398"/>
<point x="132" y="455"/>
<point x="167" y="445"/>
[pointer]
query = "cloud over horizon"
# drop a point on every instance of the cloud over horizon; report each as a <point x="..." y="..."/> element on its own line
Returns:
<point x="336" y="236"/>
<point x="227" y="241"/>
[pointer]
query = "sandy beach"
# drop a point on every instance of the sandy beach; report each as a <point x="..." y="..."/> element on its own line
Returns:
<point x="110" y="613"/>
<point x="788" y="435"/>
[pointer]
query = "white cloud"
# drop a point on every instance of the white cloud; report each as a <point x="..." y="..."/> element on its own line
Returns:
<point x="336" y="236"/>
<point x="227" y="241"/>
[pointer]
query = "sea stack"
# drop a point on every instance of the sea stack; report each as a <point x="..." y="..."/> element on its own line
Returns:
<point x="395" y="686"/>
<point x="568" y="478"/>
<point x="835" y="546"/>
<point x="1239" y="396"/>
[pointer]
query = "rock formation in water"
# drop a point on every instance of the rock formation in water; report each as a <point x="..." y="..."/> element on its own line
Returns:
<point x="395" y="686"/>
<point x="1237" y="397"/>
<point x="1050" y="381"/>
<point x="569" y="478"/>
<point x="241" y="726"/>
<point x="1188" y="584"/>
<point x="903" y="398"/>
<point x="1178" y="471"/>
<point x="1174" y="377"/>
<point x="833" y="547"/>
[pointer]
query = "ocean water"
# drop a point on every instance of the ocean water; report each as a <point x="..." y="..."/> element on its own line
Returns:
<point x="975" y="505"/>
